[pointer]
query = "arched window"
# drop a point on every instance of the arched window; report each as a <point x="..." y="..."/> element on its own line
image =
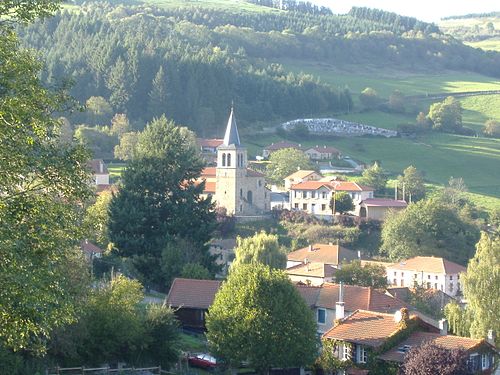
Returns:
<point x="224" y="160"/>
<point x="249" y="197"/>
<point x="241" y="193"/>
<point x="228" y="160"/>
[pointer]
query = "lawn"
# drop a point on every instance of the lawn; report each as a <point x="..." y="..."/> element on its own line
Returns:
<point x="221" y="4"/>
<point x="479" y="109"/>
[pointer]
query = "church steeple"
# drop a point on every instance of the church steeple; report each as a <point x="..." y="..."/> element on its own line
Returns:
<point x="231" y="137"/>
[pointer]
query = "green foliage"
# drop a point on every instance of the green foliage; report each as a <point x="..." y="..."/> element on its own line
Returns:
<point x="369" y="98"/>
<point x="120" y="125"/>
<point x="413" y="184"/>
<point x="96" y="220"/>
<point x="42" y="184"/>
<point x="429" y="227"/>
<point x="479" y="283"/>
<point x="283" y="163"/>
<point x="328" y="360"/>
<point x="159" y="206"/>
<point x="446" y="116"/>
<point x="195" y="271"/>
<point x="492" y="128"/>
<point x="458" y="319"/>
<point x="26" y="11"/>
<point x="354" y="273"/>
<point x="320" y="233"/>
<point x="255" y="315"/>
<point x="97" y="139"/>
<point x="262" y="248"/>
<point x="126" y="149"/>
<point x="99" y="109"/>
<point x="341" y="202"/>
<point x="375" y="177"/>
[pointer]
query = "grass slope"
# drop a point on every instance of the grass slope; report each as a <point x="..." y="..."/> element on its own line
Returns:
<point x="223" y="4"/>
<point x="492" y="44"/>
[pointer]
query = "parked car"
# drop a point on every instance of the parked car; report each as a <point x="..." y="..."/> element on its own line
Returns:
<point x="202" y="360"/>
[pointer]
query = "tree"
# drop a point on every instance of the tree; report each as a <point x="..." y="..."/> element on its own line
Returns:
<point x="375" y="177"/>
<point x="479" y="282"/>
<point x="429" y="227"/>
<point x="257" y="313"/>
<point x="430" y="359"/>
<point x="369" y="98"/>
<point x="126" y="149"/>
<point x="283" y="163"/>
<point x="412" y="183"/>
<point x="423" y="121"/>
<point x="120" y="124"/>
<point x="195" y="271"/>
<point x="96" y="220"/>
<point x="158" y="94"/>
<point x="446" y="116"/>
<point x="160" y="204"/>
<point x="341" y="202"/>
<point x="397" y="101"/>
<point x="262" y="248"/>
<point x="99" y="108"/>
<point x="492" y="128"/>
<point x="117" y="82"/>
<point x="42" y="183"/>
<point x="354" y="273"/>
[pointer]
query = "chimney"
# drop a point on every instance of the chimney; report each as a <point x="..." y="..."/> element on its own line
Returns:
<point x="306" y="260"/>
<point x="443" y="327"/>
<point x="310" y="247"/>
<point x="101" y="166"/>
<point x="359" y="254"/>
<point x="339" y="306"/>
<point x="491" y="337"/>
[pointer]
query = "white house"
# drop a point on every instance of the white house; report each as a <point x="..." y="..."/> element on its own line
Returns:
<point x="100" y="172"/>
<point x="301" y="175"/>
<point x="428" y="272"/>
<point x="322" y="153"/>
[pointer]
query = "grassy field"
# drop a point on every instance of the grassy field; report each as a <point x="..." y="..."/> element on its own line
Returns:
<point x="227" y="4"/>
<point x="487" y="45"/>
<point x="386" y="81"/>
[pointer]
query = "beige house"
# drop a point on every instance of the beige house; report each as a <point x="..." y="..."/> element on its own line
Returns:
<point x="301" y="175"/>
<point x="428" y="272"/>
<point x="379" y="208"/>
<point x="313" y="273"/>
<point x="242" y="191"/>
<point x="322" y="153"/>
<point x="330" y="254"/>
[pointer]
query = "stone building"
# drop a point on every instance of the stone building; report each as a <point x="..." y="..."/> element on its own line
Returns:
<point x="237" y="188"/>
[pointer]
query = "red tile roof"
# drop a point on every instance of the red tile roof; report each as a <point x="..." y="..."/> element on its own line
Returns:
<point x="358" y="298"/>
<point x="214" y="142"/>
<point x="309" y="293"/>
<point x="89" y="248"/>
<point x="302" y="173"/>
<point x="190" y="293"/>
<point x="281" y="145"/>
<point x="312" y="185"/>
<point x="418" y="338"/>
<point x="208" y="172"/>
<point x="429" y="265"/>
<point x="365" y="328"/>
<point x="320" y="270"/>
<point x="323" y="253"/>
<point x="324" y="149"/>
<point x="350" y="186"/>
<point x="209" y="187"/>
<point x="383" y="202"/>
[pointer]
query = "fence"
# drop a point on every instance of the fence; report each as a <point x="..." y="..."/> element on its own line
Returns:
<point x="106" y="371"/>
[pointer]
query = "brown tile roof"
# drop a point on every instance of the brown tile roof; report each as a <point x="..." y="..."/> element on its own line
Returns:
<point x="281" y="145"/>
<point x="312" y="269"/>
<point x="358" y="298"/>
<point x="322" y="253"/>
<point x="429" y="264"/>
<point x="302" y="173"/>
<point x="309" y="293"/>
<point x="312" y="185"/>
<point x="383" y="202"/>
<point x="324" y="149"/>
<point x="350" y="186"/>
<point x="190" y="293"/>
<point x="365" y="328"/>
<point x="204" y="142"/>
<point x="418" y="338"/>
<point x="95" y="165"/>
<point x="89" y="248"/>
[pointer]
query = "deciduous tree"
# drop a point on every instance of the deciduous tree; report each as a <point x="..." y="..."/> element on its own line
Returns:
<point x="126" y="149"/>
<point x="258" y="316"/>
<point x="375" y="177"/>
<point x="262" y="248"/>
<point x="283" y="163"/>
<point x="412" y="183"/>
<point x="354" y="273"/>
<point x="446" y="116"/>
<point x="341" y="202"/>
<point x="492" y="128"/>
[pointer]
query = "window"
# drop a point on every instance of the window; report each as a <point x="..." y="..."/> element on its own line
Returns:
<point x="395" y="273"/>
<point x="295" y="193"/>
<point x="402" y="274"/>
<point x="395" y="282"/>
<point x="260" y="183"/>
<point x="484" y="361"/>
<point x="313" y="194"/>
<point x="436" y="277"/>
<point x="402" y="282"/>
<point x="451" y="277"/>
<point x="473" y="362"/>
<point x="224" y="160"/>
<point x="323" y="195"/>
<point x="321" y="316"/>
<point x="228" y="160"/>
<point x="296" y="205"/>
<point x="436" y="286"/>
<point x="428" y="277"/>
<point x="323" y="207"/>
<point x="361" y="354"/>
<point x="304" y="206"/>
<point x="428" y="285"/>
<point x="451" y="287"/>
<point x="346" y="353"/>
<point x="415" y="276"/>
<point x="241" y="193"/>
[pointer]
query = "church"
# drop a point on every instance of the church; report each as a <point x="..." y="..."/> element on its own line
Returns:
<point x="232" y="185"/>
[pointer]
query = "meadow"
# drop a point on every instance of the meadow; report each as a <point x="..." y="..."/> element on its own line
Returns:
<point x="492" y="44"/>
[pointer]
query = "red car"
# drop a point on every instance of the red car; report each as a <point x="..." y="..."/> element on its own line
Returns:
<point x="202" y="360"/>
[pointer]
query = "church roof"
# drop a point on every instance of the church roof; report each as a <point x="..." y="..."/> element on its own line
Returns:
<point x="231" y="136"/>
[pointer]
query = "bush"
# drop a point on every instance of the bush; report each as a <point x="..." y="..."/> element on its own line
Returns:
<point x="324" y="234"/>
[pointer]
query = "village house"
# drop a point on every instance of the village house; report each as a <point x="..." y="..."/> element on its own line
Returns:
<point x="242" y="191"/>
<point x="273" y="147"/>
<point x="379" y="208"/>
<point x="208" y="149"/>
<point x="322" y="153"/>
<point x="100" y="172"/>
<point x="311" y="273"/>
<point x="427" y="272"/>
<point x="367" y="337"/>
<point x="90" y="251"/>
<point x="301" y="175"/>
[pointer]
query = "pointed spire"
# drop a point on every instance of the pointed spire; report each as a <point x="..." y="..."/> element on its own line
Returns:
<point x="231" y="137"/>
